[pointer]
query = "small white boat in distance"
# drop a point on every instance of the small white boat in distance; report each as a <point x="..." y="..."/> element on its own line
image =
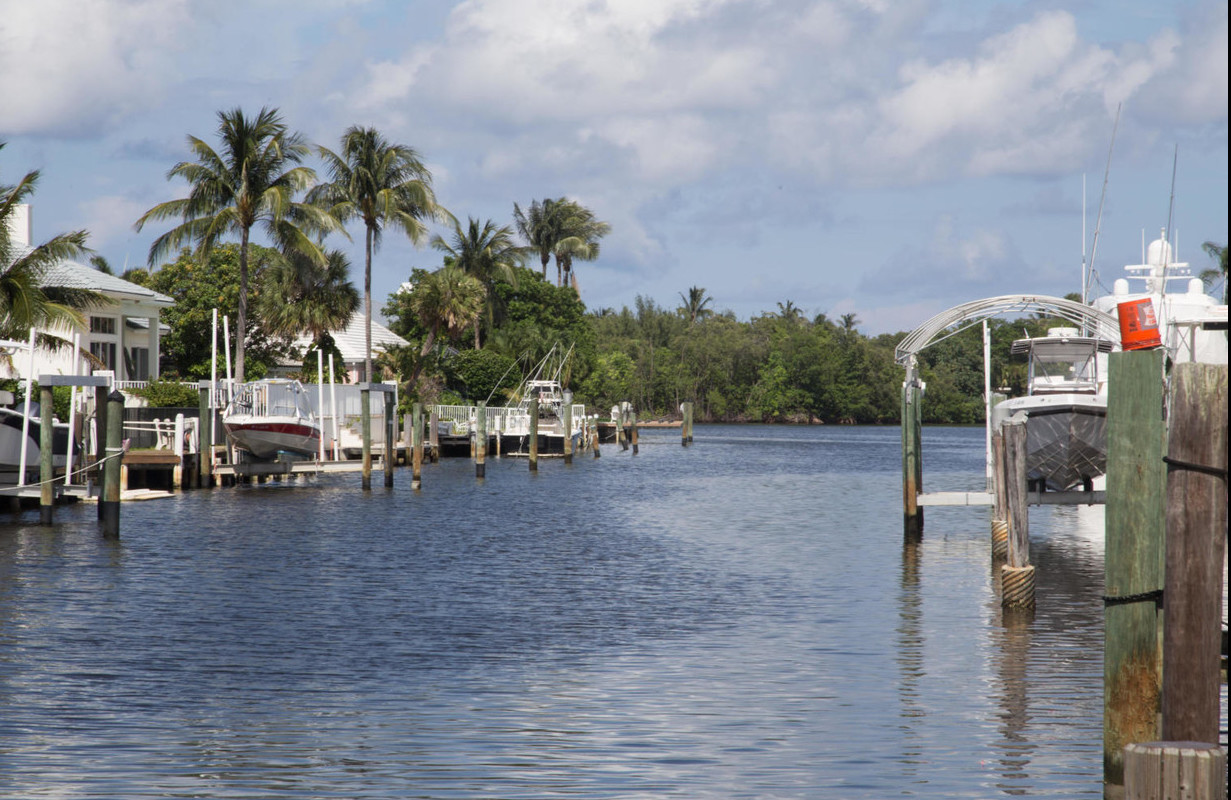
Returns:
<point x="1065" y="408"/>
<point x="270" y="417"/>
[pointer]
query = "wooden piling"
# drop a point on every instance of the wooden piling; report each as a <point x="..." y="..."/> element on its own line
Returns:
<point x="433" y="435"/>
<point x="1017" y="575"/>
<point x="1000" y="521"/>
<point x="109" y="501"/>
<point x="534" y="434"/>
<point x="365" y="429"/>
<point x="594" y="438"/>
<point x="1195" y="551"/>
<point x="100" y="442"/>
<point x="390" y="438"/>
<point x="912" y="459"/>
<point x="632" y="430"/>
<point x="480" y="440"/>
<point x="619" y="423"/>
<point x="1134" y="557"/>
<point x="416" y="445"/>
<point x="46" y="444"/>
<point x="567" y="414"/>
<point x="1175" y="771"/>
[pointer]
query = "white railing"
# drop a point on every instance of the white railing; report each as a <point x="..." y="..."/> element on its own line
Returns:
<point x="180" y="435"/>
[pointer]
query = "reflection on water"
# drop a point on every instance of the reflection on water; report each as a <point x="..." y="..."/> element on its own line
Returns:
<point x="739" y="618"/>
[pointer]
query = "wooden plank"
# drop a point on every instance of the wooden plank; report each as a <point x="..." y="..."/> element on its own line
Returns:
<point x="1195" y="552"/>
<point x="1132" y="656"/>
<point x="955" y="499"/>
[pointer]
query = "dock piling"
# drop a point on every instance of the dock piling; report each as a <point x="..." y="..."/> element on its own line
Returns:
<point x="1016" y="576"/>
<point x="390" y="436"/>
<point x="365" y="423"/>
<point x="416" y="436"/>
<point x="480" y="440"/>
<point x="109" y="501"/>
<point x="534" y="434"/>
<point x="47" y="472"/>
<point x="632" y="429"/>
<point x="912" y="455"/>
<point x="567" y="413"/>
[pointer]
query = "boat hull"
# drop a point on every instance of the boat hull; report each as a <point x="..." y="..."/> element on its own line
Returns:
<point x="266" y="437"/>
<point x="1066" y="437"/>
<point x="10" y="442"/>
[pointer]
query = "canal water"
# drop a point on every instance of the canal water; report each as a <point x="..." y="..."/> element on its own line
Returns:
<point x="736" y="619"/>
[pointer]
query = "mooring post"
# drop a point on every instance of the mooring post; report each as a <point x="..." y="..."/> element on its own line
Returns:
<point x="109" y="501"/>
<point x="205" y="437"/>
<point x="1180" y="770"/>
<point x="433" y="435"/>
<point x="632" y="429"/>
<point x="594" y="436"/>
<point x="567" y="412"/>
<point x="365" y="432"/>
<point x="416" y="445"/>
<point x="1016" y="576"/>
<point x="100" y="442"/>
<point x="619" y="423"/>
<point x="684" y="423"/>
<point x="534" y="434"/>
<point x="1000" y="517"/>
<point x="1134" y="557"/>
<point x="480" y="440"/>
<point x="390" y="437"/>
<point x="1195" y="552"/>
<point x="46" y="467"/>
<point x="912" y="459"/>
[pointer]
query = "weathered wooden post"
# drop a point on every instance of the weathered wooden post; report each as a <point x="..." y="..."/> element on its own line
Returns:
<point x="205" y="436"/>
<point x="567" y="413"/>
<point x="912" y="458"/>
<point x="594" y="436"/>
<point x="534" y="434"/>
<point x="1134" y="557"/>
<point x="46" y="445"/>
<point x="365" y="431"/>
<point x="632" y="429"/>
<point x="1195" y="552"/>
<point x="480" y="440"/>
<point x="1016" y="576"/>
<point x="433" y="435"/>
<point x="416" y="445"/>
<point x="390" y="437"/>
<point x="619" y="423"/>
<point x="109" y="501"/>
<point x="1179" y="770"/>
<point x="1000" y="517"/>
<point x="100" y="442"/>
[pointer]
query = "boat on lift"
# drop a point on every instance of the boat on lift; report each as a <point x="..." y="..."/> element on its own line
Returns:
<point x="272" y="417"/>
<point x="14" y="423"/>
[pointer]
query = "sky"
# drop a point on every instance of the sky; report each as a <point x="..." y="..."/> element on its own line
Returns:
<point x="886" y="158"/>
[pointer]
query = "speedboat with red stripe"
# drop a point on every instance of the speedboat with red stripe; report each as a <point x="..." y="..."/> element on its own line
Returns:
<point x="270" y="417"/>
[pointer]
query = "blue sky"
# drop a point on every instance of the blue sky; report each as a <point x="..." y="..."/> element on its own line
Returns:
<point x="888" y="158"/>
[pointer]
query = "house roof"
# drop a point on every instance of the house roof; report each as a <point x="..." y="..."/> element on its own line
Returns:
<point x="72" y="275"/>
<point x="351" y="340"/>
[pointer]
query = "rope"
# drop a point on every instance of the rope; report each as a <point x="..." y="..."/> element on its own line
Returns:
<point x="64" y="478"/>
<point x="1217" y="472"/>
<point x="1156" y="595"/>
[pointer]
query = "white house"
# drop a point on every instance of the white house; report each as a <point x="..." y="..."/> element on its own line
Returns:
<point x="351" y="343"/>
<point x="123" y="335"/>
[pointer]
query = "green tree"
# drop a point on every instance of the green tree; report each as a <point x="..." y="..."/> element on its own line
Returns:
<point x="579" y="233"/>
<point x="26" y="301"/>
<point x="537" y="225"/>
<point x="199" y="286"/>
<point x="300" y="296"/>
<point x="447" y="299"/>
<point x="1210" y="276"/>
<point x="382" y="184"/>
<point x="489" y="254"/>
<point x="252" y="181"/>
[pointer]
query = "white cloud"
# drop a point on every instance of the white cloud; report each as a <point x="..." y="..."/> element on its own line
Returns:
<point x="71" y="67"/>
<point x="109" y="218"/>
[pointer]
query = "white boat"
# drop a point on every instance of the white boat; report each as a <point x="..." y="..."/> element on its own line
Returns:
<point x="544" y="385"/>
<point x="1191" y="324"/>
<point x="270" y="417"/>
<point x="12" y="421"/>
<point x="1065" y="408"/>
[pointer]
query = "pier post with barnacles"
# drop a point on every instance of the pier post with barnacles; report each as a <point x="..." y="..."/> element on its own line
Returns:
<point x="1017" y="575"/>
<point x="1134" y="559"/>
<point x="1000" y="517"/>
<point x="912" y="453"/>
<point x="480" y="440"/>
<point x="365" y="430"/>
<point x="390" y="437"/>
<point x="109" y="501"/>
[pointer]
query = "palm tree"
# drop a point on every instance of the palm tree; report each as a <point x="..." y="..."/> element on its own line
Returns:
<point x="381" y="184"/>
<point x="579" y="232"/>
<point x="300" y="296"/>
<point x="849" y="321"/>
<point x="447" y="298"/>
<point x="487" y="253"/>
<point x="252" y="180"/>
<point x="536" y="226"/>
<point x="695" y="304"/>
<point x="1210" y="276"/>
<point x="25" y="301"/>
<point x="790" y="312"/>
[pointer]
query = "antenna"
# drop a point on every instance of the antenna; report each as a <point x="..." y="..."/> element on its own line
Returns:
<point x="1175" y="159"/>
<point x="1106" y="173"/>
<point x="1084" y="279"/>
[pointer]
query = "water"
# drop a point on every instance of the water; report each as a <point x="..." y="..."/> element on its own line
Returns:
<point x="738" y="619"/>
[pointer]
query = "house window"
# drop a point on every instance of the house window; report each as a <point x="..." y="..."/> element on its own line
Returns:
<point x="102" y="325"/>
<point x="104" y="352"/>
<point x="138" y="366"/>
